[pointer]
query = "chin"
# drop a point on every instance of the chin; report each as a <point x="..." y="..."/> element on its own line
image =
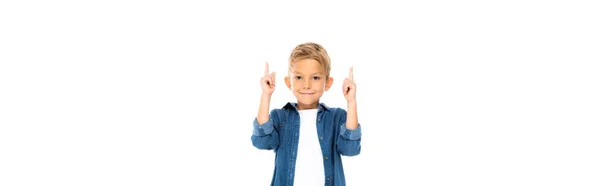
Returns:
<point x="307" y="101"/>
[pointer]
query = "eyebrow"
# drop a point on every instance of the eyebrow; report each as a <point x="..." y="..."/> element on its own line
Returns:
<point x="296" y="72"/>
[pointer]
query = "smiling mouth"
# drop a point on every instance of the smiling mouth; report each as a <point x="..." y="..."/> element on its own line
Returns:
<point x="307" y="93"/>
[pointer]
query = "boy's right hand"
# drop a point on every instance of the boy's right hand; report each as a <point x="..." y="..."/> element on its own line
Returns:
<point x="267" y="82"/>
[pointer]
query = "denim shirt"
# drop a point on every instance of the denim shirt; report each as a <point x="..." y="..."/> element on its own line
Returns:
<point x="281" y="134"/>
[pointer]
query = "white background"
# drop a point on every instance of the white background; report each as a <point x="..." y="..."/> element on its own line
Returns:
<point x="164" y="93"/>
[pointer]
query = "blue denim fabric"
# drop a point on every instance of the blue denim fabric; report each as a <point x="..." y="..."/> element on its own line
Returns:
<point x="281" y="134"/>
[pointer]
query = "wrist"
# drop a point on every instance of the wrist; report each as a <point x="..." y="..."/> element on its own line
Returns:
<point x="351" y="102"/>
<point x="265" y="96"/>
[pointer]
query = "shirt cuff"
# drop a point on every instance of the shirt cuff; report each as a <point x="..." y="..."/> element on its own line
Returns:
<point x="262" y="130"/>
<point x="350" y="134"/>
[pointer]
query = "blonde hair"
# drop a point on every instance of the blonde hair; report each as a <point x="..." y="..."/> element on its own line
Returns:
<point x="310" y="50"/>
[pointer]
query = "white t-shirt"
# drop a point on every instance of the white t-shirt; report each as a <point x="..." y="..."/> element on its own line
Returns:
<point x="309" y="162"/>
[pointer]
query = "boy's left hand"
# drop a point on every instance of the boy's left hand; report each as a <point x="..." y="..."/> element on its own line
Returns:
<point x="349" y="87"/>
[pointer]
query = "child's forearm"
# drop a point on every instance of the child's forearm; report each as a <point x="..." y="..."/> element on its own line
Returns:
<point x="263" y="110"/>
<point x="352" y="117"/>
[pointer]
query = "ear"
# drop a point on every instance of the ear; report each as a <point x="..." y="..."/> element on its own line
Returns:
<point x="328" y="83"/>
<point x="287" y="82"/>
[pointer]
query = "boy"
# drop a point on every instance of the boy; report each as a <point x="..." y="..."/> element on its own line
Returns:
<point x="308" y="137"/>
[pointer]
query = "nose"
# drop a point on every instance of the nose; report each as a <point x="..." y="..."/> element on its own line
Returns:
<point x="306" y="84"/>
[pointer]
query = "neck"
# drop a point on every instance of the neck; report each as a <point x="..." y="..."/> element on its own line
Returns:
<point x="308" y="106"/>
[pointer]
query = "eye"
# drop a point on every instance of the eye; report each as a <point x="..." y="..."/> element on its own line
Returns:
<point x="316" y="77"/>
<point x="298" y="77"/>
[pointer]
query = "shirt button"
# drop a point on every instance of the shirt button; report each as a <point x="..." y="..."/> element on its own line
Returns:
<point x="327" y="178"/>
<point x="321" y="138"/>
<point x="326" y="158"/>
<point x="319" y="119"/>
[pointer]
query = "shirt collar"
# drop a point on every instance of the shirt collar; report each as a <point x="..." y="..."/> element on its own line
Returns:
<point x="291" y="105"/>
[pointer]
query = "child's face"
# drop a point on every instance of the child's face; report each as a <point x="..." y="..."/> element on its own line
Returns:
<point x="307" y="81"/>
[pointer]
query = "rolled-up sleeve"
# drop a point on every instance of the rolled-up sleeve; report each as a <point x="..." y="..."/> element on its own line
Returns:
<point x="265" y="136"/>
<point x="262" y="130"/>
<point x="348" y="141"/>
<point x="350" y="134"/>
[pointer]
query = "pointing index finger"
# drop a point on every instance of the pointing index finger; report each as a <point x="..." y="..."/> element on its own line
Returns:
<point x="266" y="68"/>
<point x="351" y="76"/>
